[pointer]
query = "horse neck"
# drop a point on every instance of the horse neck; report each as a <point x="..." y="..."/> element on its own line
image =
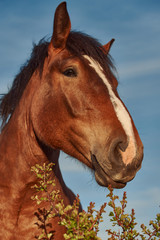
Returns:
<point x="19" y="147"/>
<point x="19" y="151"/>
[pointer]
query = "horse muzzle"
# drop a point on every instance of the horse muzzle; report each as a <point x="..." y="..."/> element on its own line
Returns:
<point x="115" y="172"/>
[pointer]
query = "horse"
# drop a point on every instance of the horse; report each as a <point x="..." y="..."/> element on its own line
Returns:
<point x="64" y="98"/>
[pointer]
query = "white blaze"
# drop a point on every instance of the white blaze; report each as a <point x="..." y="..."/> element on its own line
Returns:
<point x="120" y="111"/>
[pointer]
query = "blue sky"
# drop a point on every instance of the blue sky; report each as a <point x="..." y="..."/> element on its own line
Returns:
<point x="136" y="27"/>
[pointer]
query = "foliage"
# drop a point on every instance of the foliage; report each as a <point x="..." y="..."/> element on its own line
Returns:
<point x="126" y="222"/>
<point x="84" y="224"/>
<point x="79" y="225"/>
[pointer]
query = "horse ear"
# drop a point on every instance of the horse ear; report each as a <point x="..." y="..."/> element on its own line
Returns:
<point x="62" y="26"/>
<point x="108" y="46"/>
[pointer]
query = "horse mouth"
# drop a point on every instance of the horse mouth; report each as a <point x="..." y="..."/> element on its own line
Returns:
<point x="102" y="178"/>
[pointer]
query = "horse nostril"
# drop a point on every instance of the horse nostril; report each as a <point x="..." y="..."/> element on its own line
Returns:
<point x="118" y="147"/>
<point x="122" y="146"/>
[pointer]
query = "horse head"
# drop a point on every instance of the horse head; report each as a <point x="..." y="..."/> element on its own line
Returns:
<point x="76" y="107"/>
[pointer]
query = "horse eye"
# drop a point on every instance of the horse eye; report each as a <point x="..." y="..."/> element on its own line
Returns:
<point x="70" y="72"/>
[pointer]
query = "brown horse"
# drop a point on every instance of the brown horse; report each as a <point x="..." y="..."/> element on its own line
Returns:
<point x="64" y="98"/>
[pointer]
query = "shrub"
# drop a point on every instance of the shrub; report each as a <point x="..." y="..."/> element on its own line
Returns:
<point x="85" y="224"/>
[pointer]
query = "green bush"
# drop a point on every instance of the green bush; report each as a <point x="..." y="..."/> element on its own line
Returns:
<point x="85" y="224"/>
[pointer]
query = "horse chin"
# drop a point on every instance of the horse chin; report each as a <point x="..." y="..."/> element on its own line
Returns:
<point x="102" y="178"/>
<point x="106" y="181"/>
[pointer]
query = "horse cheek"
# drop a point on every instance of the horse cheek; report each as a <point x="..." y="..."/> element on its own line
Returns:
<point x="43" y="116"/>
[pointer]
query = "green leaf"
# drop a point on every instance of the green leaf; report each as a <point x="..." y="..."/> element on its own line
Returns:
<point x="111" y="214"/>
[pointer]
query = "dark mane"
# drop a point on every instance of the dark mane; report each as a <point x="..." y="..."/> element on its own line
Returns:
<point x="77" y="43"/>
<point x="9" y="101"/>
